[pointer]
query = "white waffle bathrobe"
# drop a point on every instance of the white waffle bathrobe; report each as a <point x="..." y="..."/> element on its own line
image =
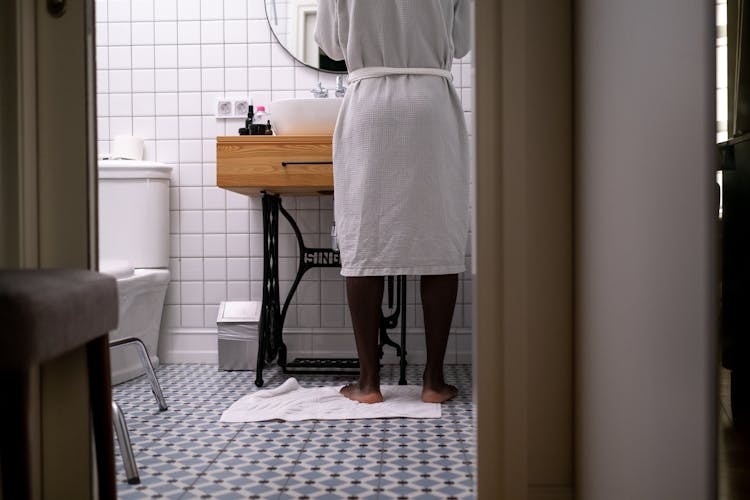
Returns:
<point x="400" y="149"/>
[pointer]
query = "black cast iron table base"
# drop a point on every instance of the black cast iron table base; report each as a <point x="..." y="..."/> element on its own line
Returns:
<point x="271" y="344"/>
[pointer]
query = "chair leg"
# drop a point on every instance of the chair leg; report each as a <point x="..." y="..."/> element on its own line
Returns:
<point x="146" y="362"/>
<point x="126" y="449"/>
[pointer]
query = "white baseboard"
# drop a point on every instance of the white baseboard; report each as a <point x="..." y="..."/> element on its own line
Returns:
<point x="199" y="345"/>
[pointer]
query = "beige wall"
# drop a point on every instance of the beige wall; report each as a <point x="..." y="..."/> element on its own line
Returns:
<point x="645" y="328"/>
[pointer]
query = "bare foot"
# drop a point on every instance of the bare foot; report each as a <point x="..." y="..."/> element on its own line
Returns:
<point x="438" y="394"/>
<point x="353" y="392"/>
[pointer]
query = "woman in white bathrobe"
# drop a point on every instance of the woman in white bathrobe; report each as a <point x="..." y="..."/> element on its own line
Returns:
<point x="401" y="161"/>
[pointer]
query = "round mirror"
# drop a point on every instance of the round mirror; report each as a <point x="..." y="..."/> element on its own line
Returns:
<point x="293" y="24"/>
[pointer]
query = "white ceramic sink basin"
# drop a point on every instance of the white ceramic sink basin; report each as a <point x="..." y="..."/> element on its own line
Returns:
<point x="305" y="116"/>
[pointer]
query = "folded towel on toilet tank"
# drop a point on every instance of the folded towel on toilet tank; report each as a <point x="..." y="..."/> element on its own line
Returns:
<point x="292" y="402"/>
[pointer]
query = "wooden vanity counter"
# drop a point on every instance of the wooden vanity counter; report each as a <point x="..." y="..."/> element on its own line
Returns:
<point x="288" y="164"/>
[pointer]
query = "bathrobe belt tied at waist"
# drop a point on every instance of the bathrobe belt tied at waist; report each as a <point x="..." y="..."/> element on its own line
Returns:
<point x="378" y="71"/>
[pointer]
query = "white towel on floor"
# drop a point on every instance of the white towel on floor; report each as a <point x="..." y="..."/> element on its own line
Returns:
<point x="292" y="402"/>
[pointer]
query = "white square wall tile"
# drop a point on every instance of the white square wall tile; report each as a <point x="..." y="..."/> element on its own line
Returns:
<point x="215" y="245"/>
<point x="189" y="80"/>
<point x="215" y="269"/>
<point x="235" y="9"/>
<point x="171" y="317"/>
<point x="142" y="10"/>
<point x="238" y="245"/>
<point x="101" y="33"/>
<point x="215" y="292"/>
<point x="238" y="221"/>
<point x="190" y="127"/>
<point x="190" y="151"/>
<point x="256" y="10"/>
<point x="235" y="55"/>
<point x="166" y="151"/>
<point x="259" y="54"/>
<point x="102" y="128"/>
<point x="165" y="56"/>
<point x="144" y="127"/>
<point x="122" y="125"/>
<point x="102" y="57"/>
<point x="120" y="80"/>
<point x="212" y="32"/>
<point x="191" y="269"/>
<point x="118" y="10"/>
<point x="142" y="33"/>
<point x="143" y="57"/>
<point x="188" y="10"/>
<point x="191" y="221"/>
<point x="166" y="80"/>
<point x="166" y="127"/>
<point x="120" y="105"/>
<point x="210" y="312"/>
<point x="238" y="290"/>
<point x="119" y="34"/>
<point x="102" y="80"/>
<point x="308" y="316"/>
<point x="238" y="269"/>
<point x="120" y="57"/>
<point x="166" y="104"/>
<point x="143" y="80"/>
<point x="209" y="155"/>
<point x="165" y="10"/>
<point x="173" y="293"/>
<point x="212" y="9"/>
<point x="214" y="221"/>
<point x="165" y="32"/>
<point x="192" y="316"/>
<point x="191" y="245"/>
<point x="235" y="31"/>
<point x="212" y="79"/>
<point x="236" y="80"/>
<point x="188" y="32"/>
<point x="332" y="316"/>
<point x="214" y="198"/>
<point x="212" y="55"/>
<point x="189" y="56"/>
<point x="190" y="104"/>
<point x="259" y="79"/>
<point x="191" y="198"/>
<point x="190" y="174"/>
<point x="236" y="201"/>
<point x="100" y="6"/>
<point x="280" y="57"/>
<point x="209" y="169"/>
<point x="258" y="31"/>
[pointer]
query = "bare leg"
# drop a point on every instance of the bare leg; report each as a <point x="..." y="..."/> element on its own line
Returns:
<point x="365" y="296"/>
<point x="438" y="301"/>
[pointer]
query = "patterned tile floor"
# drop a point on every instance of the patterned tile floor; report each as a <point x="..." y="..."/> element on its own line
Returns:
<point x="185" y="452"/>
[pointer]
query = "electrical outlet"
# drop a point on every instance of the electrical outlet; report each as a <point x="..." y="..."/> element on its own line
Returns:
<point x="223" y="108"/>
<point x="241" y="107"/>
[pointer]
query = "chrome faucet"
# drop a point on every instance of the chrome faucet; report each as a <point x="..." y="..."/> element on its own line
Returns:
<point x="319" y="91"/>
<point x="340" y="89"/>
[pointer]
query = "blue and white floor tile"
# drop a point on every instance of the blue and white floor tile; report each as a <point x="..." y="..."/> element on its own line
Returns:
<point x="185" y="452"/>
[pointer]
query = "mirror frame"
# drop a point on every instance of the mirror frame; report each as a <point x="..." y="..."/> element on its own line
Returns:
<point x="276" y="38"/>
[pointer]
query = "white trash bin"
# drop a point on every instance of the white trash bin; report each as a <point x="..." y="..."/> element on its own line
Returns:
<point x="237" y="323"/>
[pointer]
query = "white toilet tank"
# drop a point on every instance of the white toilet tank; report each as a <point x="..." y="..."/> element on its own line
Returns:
<point x="134" y="212"/>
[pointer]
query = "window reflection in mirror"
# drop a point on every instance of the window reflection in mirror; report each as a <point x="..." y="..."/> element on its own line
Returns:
<point x="293" y="24"/>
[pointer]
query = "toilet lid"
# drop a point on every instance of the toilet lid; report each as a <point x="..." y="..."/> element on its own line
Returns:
<point x="117" y="268"/>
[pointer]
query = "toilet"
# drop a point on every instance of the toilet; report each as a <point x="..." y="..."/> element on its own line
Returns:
<point x="134" y="248"/>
